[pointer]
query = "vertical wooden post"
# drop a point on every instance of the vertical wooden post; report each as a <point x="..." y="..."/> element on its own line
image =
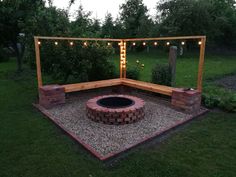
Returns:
<point x="201" y="63"/>
<point x="38" y="64"/>
<point x="124" y="60"/>
<point x="172" y="63"/>
<point x="121" y="59"/>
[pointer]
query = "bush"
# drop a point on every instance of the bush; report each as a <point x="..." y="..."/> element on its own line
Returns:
<point x="79" y="62"/>
<point x="161" y="74"/>
<point x="218" y="97"/>
<point x="134" y="71"/>
<point x="4" y="56"/>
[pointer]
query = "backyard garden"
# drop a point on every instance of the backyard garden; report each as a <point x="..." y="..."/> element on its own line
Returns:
<point x="185" y="120"/>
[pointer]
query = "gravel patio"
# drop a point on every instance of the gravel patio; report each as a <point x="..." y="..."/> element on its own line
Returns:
<point x="106" y="141"/>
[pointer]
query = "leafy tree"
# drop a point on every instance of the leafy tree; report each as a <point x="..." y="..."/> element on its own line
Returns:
<point x="108" y="26"/>
<point x="216" y="19"/>
<point x="135" y="19"/>
<point x="13" y="16"/>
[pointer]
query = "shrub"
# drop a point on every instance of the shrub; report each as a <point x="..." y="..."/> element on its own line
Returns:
<point x="4" y="56"/>
<point x="134" y="72"/>
<point x="79" y="62"/>
<point x="161" y="74"/>
<point x="218" y="97"/>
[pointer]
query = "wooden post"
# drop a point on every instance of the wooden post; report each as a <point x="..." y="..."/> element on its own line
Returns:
<point x="172" y="63"/>
<point x="201" y="62"/>
<point x="122" y="59"/>
<point x="38" y="64"/>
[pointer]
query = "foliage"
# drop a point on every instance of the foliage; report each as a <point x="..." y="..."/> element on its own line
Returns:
<point x="4" y="56"/>
<point x="135" y="19"/>
<point x="219" y="97"/>
<point x="185" y="17"/>
<point x="134" y="71"/>
<point x="82" y="63"/>
<point x="161" y="74"/>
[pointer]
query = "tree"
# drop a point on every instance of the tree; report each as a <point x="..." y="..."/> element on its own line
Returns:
<point x="108" y="26"/>
<point x="13" y="16"/>
<point x="135" y="19"/>
<point x="199" y="17"/>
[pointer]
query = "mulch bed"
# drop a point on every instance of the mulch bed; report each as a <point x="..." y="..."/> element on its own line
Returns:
<point x="106" y="141"/>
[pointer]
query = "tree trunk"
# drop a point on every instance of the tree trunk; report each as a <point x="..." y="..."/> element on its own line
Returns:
<point x="18" y="57"/>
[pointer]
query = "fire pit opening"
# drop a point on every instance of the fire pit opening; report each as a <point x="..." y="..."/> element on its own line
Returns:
<point x="115" y="102"/>
<point x="115" y="109"/>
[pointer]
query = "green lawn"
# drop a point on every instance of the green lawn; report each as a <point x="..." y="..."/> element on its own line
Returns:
<point x="31" y="146"/>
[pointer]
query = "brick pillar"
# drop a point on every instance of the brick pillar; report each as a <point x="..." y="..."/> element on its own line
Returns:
<point x="187" y="100"/>
<point x="51" y="95"/>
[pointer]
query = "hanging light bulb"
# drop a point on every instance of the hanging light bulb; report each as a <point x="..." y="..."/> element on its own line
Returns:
<point x="182" y="43"/>
<point x="144" y="43"/>
<point x="109" y="44"/>
<point x="71" y="43"/>
<point x="56" y="43"/>
<point x="39" y="43"/>
<point x="85" y="44"/>
<point x="155" y="43"/>
<point x="168" y="43"/>
<point x="134" y="43"/>
<point x="200" y="43"/>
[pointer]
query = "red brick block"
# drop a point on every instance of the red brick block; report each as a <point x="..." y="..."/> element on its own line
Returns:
<point x="187" y="100"/>
<point x="51" y="95"/>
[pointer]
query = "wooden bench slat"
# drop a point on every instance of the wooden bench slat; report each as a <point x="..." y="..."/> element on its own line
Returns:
<point x="113" y="82"/>
<point x="91" y="85"/>
<point x="148" y="86"/>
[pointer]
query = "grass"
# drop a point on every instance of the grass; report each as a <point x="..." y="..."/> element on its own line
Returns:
<point x="31" y="146"/>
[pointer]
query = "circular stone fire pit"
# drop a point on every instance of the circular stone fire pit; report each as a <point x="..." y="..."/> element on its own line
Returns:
<point x="115" y="109"/>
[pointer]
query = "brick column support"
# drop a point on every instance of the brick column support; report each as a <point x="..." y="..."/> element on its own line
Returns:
<point x="51" y="95"/>
<point x="187" y="100"/>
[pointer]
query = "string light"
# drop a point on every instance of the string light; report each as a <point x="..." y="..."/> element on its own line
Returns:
<point x="200" y="43"/>
<point x="108" y="43"/>
<point x="182" y="43"/>
<point x="85" y="44"/>
<point x="56" y="43"/>
<point x="134" y="43"/>
<point x="71" y="43"/>
<point x="155" y="43"/>
<point x="39" y="43"/>
<point x="168" y="43"/>
<point x="144" y="43"/>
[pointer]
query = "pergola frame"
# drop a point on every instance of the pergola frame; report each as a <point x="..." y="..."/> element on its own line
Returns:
<point x="122" y="43"/>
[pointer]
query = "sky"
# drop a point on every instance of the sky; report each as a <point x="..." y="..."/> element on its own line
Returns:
<point x="99" y="8"/>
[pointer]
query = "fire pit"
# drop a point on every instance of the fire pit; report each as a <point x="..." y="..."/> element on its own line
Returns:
<point x="115" y="109"/>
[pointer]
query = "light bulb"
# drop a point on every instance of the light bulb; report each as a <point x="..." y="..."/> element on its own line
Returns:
<point x="182" y="43"/>
<point x="56" y="43"/>
<point x="39" y="43"/>
<point x="144" y="43"/>
<point x="168" y="43"/>
<point x="71" y="43"/>
<point x="200" y="43"/>
<point x="155" y="43"/>
<point x="85" y="44"/>
<point x="134" y="44"/>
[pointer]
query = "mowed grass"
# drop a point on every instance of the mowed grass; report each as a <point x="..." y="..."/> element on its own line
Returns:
<point x="31" y="146"/>
<point x="186" y="66"/>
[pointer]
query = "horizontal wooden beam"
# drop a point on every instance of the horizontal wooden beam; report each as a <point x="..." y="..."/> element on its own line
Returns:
<point x="91" y="85"/>
<point x="165" y="90"/>
<point x="118" y="40"/>
<point x="165" y="38"/>
<point x="75" y="39"/>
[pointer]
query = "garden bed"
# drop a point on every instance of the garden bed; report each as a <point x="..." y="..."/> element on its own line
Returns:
<point x="106" y="141"/>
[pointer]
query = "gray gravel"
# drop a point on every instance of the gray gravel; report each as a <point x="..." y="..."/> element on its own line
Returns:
<point x="106" y="139"/>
